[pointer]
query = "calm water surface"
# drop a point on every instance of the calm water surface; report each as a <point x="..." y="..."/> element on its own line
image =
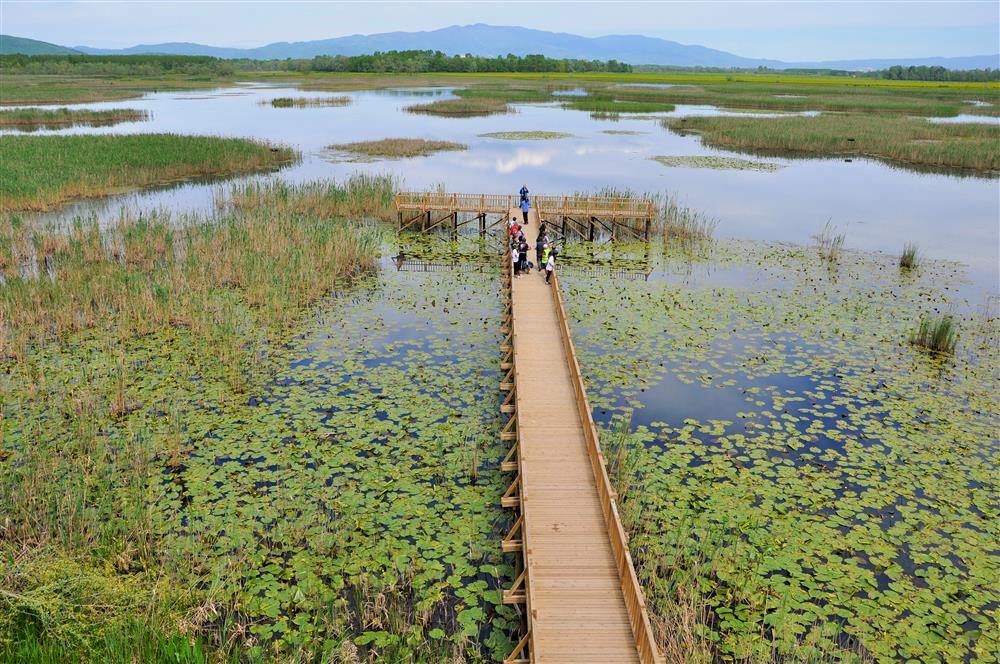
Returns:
<point x="881" y="207"/>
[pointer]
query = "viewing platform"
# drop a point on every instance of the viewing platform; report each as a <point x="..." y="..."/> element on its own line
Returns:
<point x="586" y="216"/>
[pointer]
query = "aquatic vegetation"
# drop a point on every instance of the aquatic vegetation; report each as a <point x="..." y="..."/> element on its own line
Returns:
<point x="830" y="242"/>
<point x="910" y="256"/>
<point x="899" y="140"/>
<point x="616" y="105"/>
<point x="361" y="196"/>
<point x="303" y="102"/>
<point x="342" y="497"/>
<point x="936" y="334"/>
<point x="716" y="162"/>
<point x="38" y="118"/>
<point x="462" y="108"/>
<point x="399" y="147"/>
<point x="512" y="94"/>
<point x="685" y="224"/>
<point x="38" y="172"/>
<point x="806" y="486"/>
<point x="526" y="135"/>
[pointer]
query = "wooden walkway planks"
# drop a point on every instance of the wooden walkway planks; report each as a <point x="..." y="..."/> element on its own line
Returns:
<point x="577" y="601"/>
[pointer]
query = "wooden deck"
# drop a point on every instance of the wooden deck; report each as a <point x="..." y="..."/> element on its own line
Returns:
<point x="582" y="599"/>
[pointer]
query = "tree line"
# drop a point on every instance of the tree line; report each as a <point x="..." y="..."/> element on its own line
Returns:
<point x="393" y="62"/>
<point x="937" y="73"/>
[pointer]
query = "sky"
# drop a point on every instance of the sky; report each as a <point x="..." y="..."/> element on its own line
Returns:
<point x="788" y="30"/>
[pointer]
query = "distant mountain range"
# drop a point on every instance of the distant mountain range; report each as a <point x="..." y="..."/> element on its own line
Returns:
<point x="492" y="40"/>
<point x="9" y="45"/>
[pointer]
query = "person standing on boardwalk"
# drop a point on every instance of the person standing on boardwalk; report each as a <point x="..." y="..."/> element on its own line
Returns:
<point x="550" y="266"/>
<point x="524" y="192"/>
<point x="525" y="206"/>
<point x="540" y="245"/>
<point x="515" y="259"/>
<point x="522" y="251"/>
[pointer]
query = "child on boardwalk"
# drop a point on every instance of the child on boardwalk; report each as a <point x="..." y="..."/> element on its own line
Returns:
<point x="550" y="265"/>
<point x="516" y="258"/>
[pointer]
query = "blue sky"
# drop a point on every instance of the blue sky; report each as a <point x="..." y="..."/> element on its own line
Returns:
<point x="782" y="30"/>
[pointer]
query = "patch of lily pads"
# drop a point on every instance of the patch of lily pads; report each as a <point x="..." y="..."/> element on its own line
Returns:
<point x="717" y="163"/>
<point x="349" y="503"/>
<point x="526" y="135"/>
<point x="796" y="469"/>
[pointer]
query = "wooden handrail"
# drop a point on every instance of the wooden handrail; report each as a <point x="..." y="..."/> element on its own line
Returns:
<point x="635" y="601"/>
<point x="614" y="207"/>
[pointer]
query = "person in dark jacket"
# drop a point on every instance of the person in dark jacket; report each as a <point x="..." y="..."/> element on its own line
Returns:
<point x="540" y="250"/>
<point x="522" y="250"/>
<point x="524" y="192"/>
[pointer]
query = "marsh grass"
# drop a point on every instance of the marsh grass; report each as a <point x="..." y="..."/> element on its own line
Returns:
<point x="399" y="147"/>
<point x="904" y="140"/>
<point x="303" y="102"/>
<point x="936" y="334"/>
<point x="682" y="223"/>
<point x="280" y="245"/>
<point x="910" y="257"/>
<point x="38" y="172"/>
<point x="830" y="242"/>
<point x="459" y="108"/>
<point x="39" y="118"/>
<point x="616" y="105"/>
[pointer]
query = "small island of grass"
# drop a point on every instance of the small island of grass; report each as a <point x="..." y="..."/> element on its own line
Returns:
<point x="462" y="108"/>
<point x="399" y="147"/>
<point x="37" y="172"/>
<point x="41" y="118"/>
<point x="303" y="102"/>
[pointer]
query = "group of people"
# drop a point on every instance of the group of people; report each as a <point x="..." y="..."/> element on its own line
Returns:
<point x="545" y="253"/>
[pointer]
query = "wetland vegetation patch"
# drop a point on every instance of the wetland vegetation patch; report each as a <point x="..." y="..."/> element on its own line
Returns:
<point x="900" y="140"/>
<point x="796" y="478"/>
<point x="38" y="172"/>
<point x="526" y="135"/>
<point x="303" y="102"/>
<point x="717" y="163"/>
<point x="462" y="108"/>
<point x="40" y="118"/>
<point x="399" y="147"/>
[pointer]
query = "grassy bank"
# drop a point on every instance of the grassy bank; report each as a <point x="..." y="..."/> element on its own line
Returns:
<point x="56" y="89"/>
<point x="37" y="118"/>
<point x="968" y="146"/>
<point x="37" y="172"/>
<point x="399" y="147"/>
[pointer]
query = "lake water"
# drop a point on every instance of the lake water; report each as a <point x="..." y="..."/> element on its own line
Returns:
<point x="881" y="207"/>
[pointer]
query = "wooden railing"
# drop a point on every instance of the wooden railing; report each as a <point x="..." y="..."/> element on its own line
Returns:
<point x="605" y="207"/>
<point x="527" y="642"/>
<point x="635" y="602"/>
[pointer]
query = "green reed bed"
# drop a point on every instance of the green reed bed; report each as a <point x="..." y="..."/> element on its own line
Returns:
<point x="304" y="102"/>
<point x="970" y="146"/>
<point x="38" y="118"/>
<point x="617" y="105"/>
<point x="471" y="107"/>
<point x="804" y="486"/>
<point x="399" y="147"/>
<point x="38" y="172"/>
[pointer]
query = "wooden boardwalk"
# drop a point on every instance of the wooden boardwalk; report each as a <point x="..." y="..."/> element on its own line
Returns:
<point x="583" y="602"/>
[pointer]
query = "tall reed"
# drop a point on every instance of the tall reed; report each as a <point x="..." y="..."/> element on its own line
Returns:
<point x="937" y="334"/>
